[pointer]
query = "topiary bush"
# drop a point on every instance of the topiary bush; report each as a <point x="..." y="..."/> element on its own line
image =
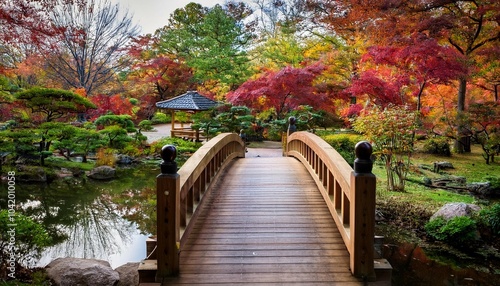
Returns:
<point x="459" y="231"/>
<point x="438" y="146"/>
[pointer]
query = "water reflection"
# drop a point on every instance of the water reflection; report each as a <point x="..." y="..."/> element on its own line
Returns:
<point x="98" y="233"/>
<point x="84" y="217"/>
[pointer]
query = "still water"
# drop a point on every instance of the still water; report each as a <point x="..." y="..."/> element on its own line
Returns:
<point x="108" y="220"/>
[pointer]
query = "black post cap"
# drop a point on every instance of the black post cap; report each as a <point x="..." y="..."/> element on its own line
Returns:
<point x="168" y="154"/>
<point x="363" y="162"/>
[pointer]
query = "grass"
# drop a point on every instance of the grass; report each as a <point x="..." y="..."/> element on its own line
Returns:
<point x="469" y="165"/>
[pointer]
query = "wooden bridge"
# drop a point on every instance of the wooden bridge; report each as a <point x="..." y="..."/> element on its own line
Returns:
<point x="295" y="216"/>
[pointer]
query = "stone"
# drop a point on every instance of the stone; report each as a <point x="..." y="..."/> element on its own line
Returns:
<point x="129" y="274"/>
<point x="102" y="173"/>
<point x="124" y="159"/>
<point x="483" y="190"/>
<point x="451" y="210"/>
<point x="438" y="166"/>
<point x="81" y="272"/>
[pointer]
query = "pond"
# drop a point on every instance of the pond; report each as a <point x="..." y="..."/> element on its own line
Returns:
<point x="108" y="220"/>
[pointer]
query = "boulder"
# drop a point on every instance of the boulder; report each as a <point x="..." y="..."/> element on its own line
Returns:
<point x="451" y="210"/>
<point x="483" y="190"/>
<point x="129" y="274"/>
<point x="124" y="159"/>
<point x="102" y="173"/>
<point x="438" y="166"/>
<point x="81" y="272"/>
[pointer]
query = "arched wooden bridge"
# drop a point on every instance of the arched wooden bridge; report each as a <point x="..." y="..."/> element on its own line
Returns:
<point x="300" y="215"/>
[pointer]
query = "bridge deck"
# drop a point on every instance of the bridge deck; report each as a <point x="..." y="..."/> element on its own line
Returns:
<point x="264" y="222"/>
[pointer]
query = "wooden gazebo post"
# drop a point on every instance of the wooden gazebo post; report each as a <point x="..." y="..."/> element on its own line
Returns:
<point x="173" y="123"/>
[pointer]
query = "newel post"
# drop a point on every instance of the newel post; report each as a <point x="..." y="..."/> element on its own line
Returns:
<point x="363" y="186"/>
<point x="167" y="209"/>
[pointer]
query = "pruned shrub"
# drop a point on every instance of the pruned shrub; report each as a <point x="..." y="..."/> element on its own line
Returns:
<point x="160" y="118"/>
<point x="459" y="231"/>
<point x="437" y="146"/>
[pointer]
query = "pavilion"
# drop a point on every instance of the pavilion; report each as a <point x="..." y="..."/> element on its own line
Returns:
<point x="190" y="101"/>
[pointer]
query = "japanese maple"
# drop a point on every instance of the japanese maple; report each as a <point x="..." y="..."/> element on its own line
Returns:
<point x="282" y="90"/>
<point x="115" y="104"/>
<point x="418" y="62"/>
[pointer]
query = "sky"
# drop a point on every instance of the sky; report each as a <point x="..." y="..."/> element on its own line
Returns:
<point x="154" y="14"/>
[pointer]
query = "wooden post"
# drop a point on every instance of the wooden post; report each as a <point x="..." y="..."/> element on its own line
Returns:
<point x="363" y="184"/>
<point x="172" y="127"/>
<point x="167" y="208"/>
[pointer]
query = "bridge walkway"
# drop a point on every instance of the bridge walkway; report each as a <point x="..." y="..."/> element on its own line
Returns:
<point x="264" y="222"/>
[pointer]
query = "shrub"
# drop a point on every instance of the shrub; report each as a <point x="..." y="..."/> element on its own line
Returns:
<point x="490" y="217"/>
<point x="494" y="181"/>
<point x="438" y="146"/>
<point x="146" y="125"/>
<point x="160" y="118"/>
<point x="105" y="157"/>
<point x="458" y="231"/>
<point x="344" y="144"/>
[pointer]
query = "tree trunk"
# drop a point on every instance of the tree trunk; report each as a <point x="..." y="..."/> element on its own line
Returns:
<point x="462" y="144"/>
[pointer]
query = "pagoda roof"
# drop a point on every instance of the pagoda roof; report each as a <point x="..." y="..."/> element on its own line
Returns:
<point x="190" y="100"/>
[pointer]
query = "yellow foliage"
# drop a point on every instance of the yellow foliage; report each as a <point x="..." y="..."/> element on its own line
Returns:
<point x="105" y="157"/>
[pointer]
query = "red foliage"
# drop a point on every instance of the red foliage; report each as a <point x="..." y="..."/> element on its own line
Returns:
<point x="382" y="92"/>
<point x="283" y="90"/>
<point x="23" y="21"/>
<point x="414" y="63"/>
<point x="423" y="59"/>
<point x="115" y="104"/>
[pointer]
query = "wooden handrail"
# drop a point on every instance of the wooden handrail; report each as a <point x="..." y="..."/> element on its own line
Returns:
<point x="179" y="193"/>
<point x="349" y="194"/>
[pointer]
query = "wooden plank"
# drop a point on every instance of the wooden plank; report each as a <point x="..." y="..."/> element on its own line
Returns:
<point x="264" y="222"/>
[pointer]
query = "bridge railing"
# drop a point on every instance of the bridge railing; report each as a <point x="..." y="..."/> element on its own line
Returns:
<point x="349" y="194"/>
<point x="180" y="192"/>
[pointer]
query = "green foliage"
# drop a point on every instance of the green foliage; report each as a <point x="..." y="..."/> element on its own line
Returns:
<point x="116" y="136"/>
<point x="30" y="237"/>
<point x="145" y="125"/>
<point x="226" y="118"/>
<point x="182" y="146"/>
<point x="20" y="142"/>
<point x="438" y="146"/>
<point x="123" y="121"/>
<point x="160" y="118"/>
<point x="490" y="217"/>
<point x="494" y="181"/>
<point x="344" y="144"/>
<point x="53" y="103"/>
<point x="211" y="41"/>
<point x="392" y="132"/>
<point x="6" y="89"/>
<point x="459" y="231"/>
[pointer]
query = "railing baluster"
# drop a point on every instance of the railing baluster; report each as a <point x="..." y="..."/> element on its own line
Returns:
<point x="177" y="191"/>
<point x="350" y="195"/>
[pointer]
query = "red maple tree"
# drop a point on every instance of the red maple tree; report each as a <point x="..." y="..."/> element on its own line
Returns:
<point x="115" y="104"/>
<point x="414" y="63"/>
<point x="283" y="90"/>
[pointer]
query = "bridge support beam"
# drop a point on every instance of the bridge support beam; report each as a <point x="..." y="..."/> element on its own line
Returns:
<point x="167" y="208"/>
<point x="363" y="186"/>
